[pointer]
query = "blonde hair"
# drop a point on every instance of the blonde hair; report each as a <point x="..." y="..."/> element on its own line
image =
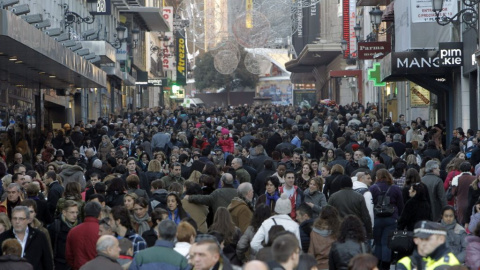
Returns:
<point x="195" y="176"/>
<point x="5" y="221"/>
<point x="154" y="165"/>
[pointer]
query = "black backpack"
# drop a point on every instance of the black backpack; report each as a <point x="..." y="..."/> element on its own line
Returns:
<point x="361" y="190"/>
<point x="383" y="208"/>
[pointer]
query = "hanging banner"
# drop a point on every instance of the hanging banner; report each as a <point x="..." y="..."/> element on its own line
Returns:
<point x="167" y="44"/>
<point x="249" y="8"/>
<point x="181" y="60"/>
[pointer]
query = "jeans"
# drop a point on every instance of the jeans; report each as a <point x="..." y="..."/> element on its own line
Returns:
<point x="381" y="229"/>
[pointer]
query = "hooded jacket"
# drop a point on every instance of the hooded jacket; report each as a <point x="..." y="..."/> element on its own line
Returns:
<point x="241" y="213"/>
<point x="320" y="243"/>
<point x="472" y="253"/>
<point x="73" y="173"/>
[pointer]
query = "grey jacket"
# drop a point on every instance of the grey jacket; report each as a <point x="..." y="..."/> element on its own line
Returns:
<point x="456" y="240"/>
<point x="317" y="198"/>
<point x="218" y="198"/>
<point x="437" y="194"/>
<point x="244" y="244"/>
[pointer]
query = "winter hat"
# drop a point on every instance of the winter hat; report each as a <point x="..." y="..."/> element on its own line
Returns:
<point x="225" y="131"/>
<point x="283" y="205"/>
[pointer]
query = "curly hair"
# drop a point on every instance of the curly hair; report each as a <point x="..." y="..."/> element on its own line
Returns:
<point x="329" y="219"/>
<point x="352" y="228"/>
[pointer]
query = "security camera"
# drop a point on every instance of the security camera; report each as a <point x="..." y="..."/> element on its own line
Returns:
<point x="95" y="60"/>
<point x="77" y="47"/>
<point x="62" y="37"/>
<point x="88" y="33"/>
<point x="69" y="43"/>
<point x="89" y="56"/>
<point x="34" y="18"/>
<point x="43" y="24"/>
<point x="7" y="3"/>
<point x="83" y="52"/>
<point x="20" y="9"/>
<point x="53" y="31"/>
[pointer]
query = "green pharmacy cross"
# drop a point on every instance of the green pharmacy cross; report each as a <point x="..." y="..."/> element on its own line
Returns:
<point x="374" y="75"/>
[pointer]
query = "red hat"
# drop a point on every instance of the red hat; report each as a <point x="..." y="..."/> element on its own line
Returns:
<point x="355" y="147"/>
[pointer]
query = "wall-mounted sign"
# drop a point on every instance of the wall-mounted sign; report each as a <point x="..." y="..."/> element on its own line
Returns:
<point x="419" y="96"/>
<point x="374" y="75"/>
<point x="422" y="10"/>
<point x="103" y="7"/>
<point x="181" y="60"/>
<point x="451" y="54"/>
<point x="417" y="61"/>
<point x="373" y="50"/>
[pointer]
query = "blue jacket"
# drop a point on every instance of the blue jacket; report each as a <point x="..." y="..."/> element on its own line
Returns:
<point x="161" y="256"/>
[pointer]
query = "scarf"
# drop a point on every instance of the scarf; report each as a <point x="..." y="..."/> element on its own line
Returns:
<point x="449" y="227"/>
<point x="142" y="223"/>
<point x="273" y="197"/>
<point x="177" y="218"/>
<point x="69" y="224"/>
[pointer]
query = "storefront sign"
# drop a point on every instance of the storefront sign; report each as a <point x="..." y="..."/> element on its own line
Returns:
<point x="181" y="60"/>
<point x="451" y="54"/>
<point x="418" y="61"/>
<point x="373" y="50"/>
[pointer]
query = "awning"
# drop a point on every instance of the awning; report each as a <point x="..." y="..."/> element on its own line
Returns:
<point x="314" y="55"/>
<point x="41" y="60"/>
<point x="113" y="70"/>
<point x="101" y="48"/>
<point x="151" y="17"/>
<point x="373" y="2"/>
<point x="388" y="13"/>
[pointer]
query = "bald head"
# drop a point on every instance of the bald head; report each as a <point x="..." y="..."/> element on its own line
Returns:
<point x="108" y="244"/>
<point x="255" y="265"/>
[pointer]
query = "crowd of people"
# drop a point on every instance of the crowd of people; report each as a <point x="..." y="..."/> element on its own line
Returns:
<point x="270" y="187"/>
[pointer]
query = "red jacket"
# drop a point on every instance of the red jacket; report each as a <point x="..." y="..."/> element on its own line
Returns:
<point x="82" y="243"/>
<point x="227" y="145"/>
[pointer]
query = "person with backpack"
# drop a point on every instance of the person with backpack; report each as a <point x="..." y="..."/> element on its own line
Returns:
<point x="388" y="201"/>
<point x="364" y="180"/>
<point x="58" y="231"/>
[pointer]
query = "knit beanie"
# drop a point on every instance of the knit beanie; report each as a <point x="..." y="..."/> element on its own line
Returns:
<point x="283" y="205"/>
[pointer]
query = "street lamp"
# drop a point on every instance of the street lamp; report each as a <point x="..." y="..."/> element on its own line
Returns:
<point x="358" y="30"/>
<point x="73" y="17"/>
<point x="344" y="44"/>
<point x="469" y="14"/>
<point x="119" y="37"/>
<point x="376" y="17"/>
<point x="135" y="35"/>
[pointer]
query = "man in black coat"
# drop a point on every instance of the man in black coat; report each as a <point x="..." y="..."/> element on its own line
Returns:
<point x="58" y="231"/>
<point x="55" y="191"/>
<point x="36" y="250"/>
<point x="260" y="181"/>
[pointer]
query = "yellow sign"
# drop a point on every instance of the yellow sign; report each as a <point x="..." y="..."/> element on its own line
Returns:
<point x="419" y="96"/>
<point x="249" y="9"/>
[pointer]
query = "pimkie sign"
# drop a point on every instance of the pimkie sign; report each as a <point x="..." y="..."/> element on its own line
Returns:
<point x="373" y="50"/>
<point x="451" y="54"/>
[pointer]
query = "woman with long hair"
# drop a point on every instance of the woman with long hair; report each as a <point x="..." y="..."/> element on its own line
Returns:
<point x="313" y="195"/>
<point x="350" y="242"/>
<point x="383" y="226"/>
<point x="141" y="219"/>
<point x="325" y="172"/>
<point x="87" y="143"/>
<point x="222" y="223"/>
<point x="261" y="213"/>
<point x="104" y="148"/>
<point x="412" y="177"/>
<point x="416" y="208"/>
<point x="143" y="161"/>
<point x="453" y="169"/>
<point x="324" y="232"/>
<point x="455" y="233"/>
<point x="329" y="189"/>
<point x="303" y="177"/>
<point x="174" y="208"/>
<point x="129" y="201"/>
<point x="271" y="193"/>
<point x="154" y="170"/>
<point x="398" y="174"/>
<point x="328" y="157"/>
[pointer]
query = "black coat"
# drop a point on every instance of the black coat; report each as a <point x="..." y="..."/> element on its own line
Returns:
<point x="328" y="189"/>
<point x="37" y="251"/>
<point x="144" y="183"/>
<point x="341" y="253"/>
<point x="305" y="230"/>
<point x="58" y="231"/>
<point x="415" y="209"/>
<point x="55" y="192"/>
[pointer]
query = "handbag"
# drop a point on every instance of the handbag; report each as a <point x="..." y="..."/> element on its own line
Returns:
<point x="401" y="241"/>
<point x="383" y="208"/>
<point x="449" y="193"/>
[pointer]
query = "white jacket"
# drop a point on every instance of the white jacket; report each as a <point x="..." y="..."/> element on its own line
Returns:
<point x="262" y="233"/>
<point x="367" y="196"/>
